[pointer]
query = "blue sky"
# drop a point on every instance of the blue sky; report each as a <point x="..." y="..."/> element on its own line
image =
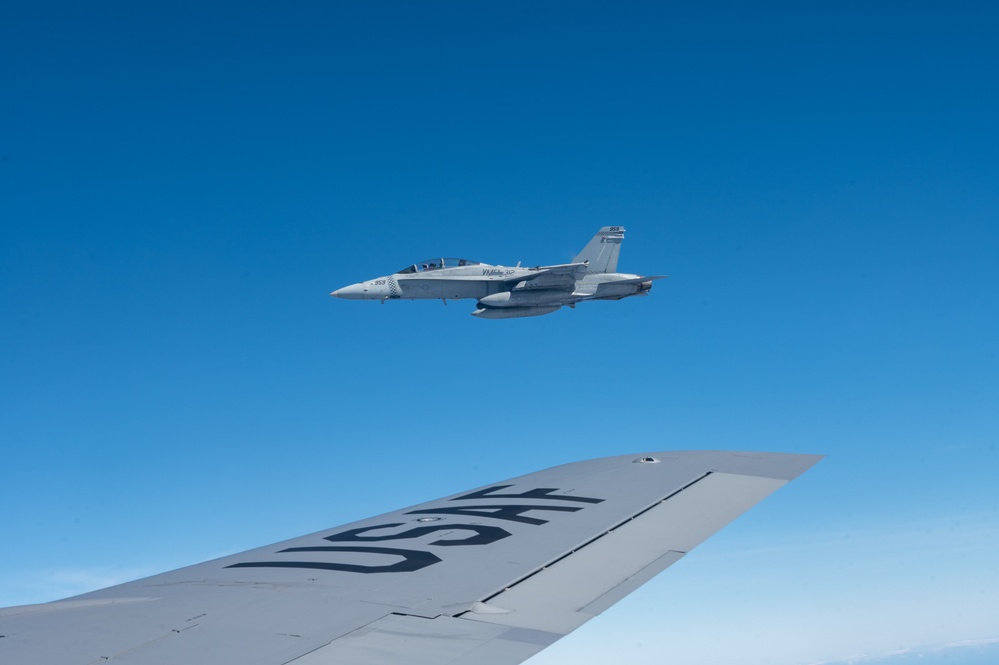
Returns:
<point x="181" y="186"/>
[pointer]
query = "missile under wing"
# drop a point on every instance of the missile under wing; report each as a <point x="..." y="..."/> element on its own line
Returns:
<point x="512" y="292"/>
<point x="489" y="576"/>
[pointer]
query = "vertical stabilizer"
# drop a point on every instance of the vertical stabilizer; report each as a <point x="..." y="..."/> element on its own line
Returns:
<point x="602" y="251"/>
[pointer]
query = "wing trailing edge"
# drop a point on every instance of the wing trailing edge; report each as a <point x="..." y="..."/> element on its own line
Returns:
<point x="486" y="577"/>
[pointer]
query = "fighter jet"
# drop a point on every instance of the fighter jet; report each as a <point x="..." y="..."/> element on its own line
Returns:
<point x="508" y="293"/>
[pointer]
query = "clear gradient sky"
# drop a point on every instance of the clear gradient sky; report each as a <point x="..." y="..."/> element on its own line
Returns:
<point x="182" y="184"/>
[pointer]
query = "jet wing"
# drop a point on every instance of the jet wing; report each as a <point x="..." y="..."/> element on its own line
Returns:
<point x="486" y="577"/>
<point x="565" y="269"/>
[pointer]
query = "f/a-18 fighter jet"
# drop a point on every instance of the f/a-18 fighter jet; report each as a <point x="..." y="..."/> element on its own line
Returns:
<point x="508" y="293"/>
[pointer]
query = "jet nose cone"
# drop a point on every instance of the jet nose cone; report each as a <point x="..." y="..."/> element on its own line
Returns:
<point x="352" y="292"/>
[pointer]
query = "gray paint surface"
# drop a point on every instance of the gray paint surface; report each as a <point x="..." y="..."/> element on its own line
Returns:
<point x="512" y="292"/>
<point x="492" y="575"/>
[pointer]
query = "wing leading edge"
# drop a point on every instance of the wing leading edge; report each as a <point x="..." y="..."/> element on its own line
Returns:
<point x="486" y="577"/>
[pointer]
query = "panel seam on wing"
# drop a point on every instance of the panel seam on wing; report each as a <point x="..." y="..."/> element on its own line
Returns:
<point x="591" y="540"/>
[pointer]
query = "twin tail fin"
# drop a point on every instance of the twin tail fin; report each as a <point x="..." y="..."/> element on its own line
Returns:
<point x="601" y="253"/>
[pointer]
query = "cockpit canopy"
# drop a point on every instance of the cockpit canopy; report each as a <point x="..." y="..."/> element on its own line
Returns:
<point x="436" y="264"/>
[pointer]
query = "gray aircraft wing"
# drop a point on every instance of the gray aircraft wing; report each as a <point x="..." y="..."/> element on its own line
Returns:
<point x="563" y="270"/>
<point x="485" y="577"/>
